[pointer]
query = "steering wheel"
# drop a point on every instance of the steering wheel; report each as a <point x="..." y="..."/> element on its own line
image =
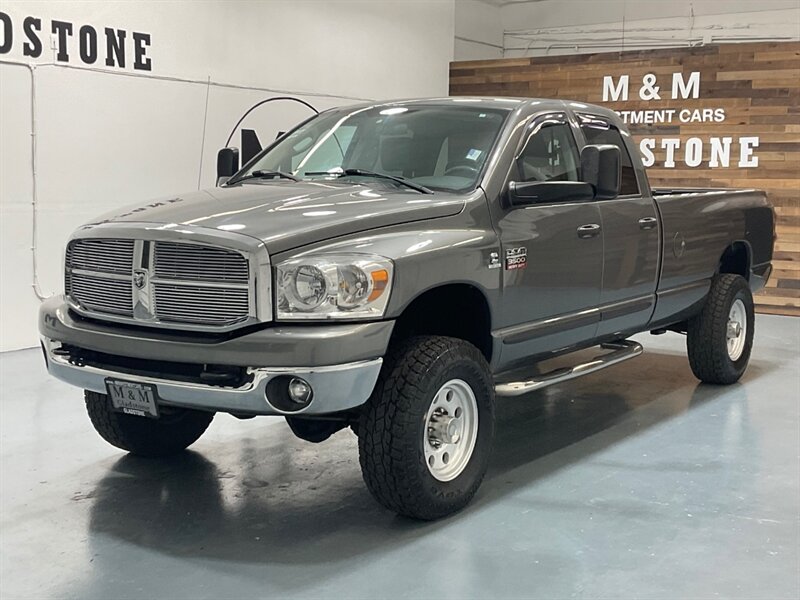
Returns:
<point x="470" y="171"/>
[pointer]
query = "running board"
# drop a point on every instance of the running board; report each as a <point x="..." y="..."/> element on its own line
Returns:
<point x="622" y="351"/>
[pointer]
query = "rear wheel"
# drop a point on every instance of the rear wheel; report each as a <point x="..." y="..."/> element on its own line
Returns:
<point x="426" y="434"/>
<point x="175" y="430"/>
<point x="719" y="340"/>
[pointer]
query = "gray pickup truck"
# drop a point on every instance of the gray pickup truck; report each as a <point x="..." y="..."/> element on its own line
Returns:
<point x="392" y="268"/>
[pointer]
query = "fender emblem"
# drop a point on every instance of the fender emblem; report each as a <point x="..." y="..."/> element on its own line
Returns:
<point x="516" y="258"/>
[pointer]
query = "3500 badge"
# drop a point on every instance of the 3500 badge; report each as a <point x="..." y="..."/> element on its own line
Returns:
<point x="516" y="258"/>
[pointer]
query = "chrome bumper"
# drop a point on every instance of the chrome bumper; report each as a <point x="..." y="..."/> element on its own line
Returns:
<point x="336" y="387"/>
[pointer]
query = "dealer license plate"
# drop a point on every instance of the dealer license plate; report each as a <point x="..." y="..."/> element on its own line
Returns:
<point x="133" y="398"/>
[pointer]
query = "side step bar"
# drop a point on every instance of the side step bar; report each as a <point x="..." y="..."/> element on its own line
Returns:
<point x="621" y="351"/>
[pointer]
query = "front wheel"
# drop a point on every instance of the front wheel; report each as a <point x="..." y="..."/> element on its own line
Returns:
<point x="720" y="338"/>
<point x="175" y="430"/>
<point x="426" y="434"/>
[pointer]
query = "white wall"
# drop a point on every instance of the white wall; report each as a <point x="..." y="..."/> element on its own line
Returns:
<point x="109" y="137"/>
<point x="550" y="27"/>
<point x="488" y="29"/>
<point x="478" y="30"/>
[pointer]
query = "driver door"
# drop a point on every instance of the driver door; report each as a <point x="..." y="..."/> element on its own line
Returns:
<point x="552" y="253"/>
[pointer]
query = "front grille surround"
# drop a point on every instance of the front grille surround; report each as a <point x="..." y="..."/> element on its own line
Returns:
<point x="206" y="283"/>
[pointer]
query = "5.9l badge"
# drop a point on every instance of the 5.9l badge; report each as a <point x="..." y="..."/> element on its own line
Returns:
<point x="516" y="258"/>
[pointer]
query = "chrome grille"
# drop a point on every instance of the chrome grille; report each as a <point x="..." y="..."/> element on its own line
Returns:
<point x="101" y="255"/>
<point x="196" y="304"/>
<point x="102" y="294"/>
<point x="159" y="282"/>
<point x="199" y="263"/>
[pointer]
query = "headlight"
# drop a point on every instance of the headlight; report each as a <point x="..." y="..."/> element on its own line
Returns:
<point x="342" y="286"/>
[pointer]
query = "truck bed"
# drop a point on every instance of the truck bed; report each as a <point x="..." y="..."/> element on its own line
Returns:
<point x="695" y="224"/>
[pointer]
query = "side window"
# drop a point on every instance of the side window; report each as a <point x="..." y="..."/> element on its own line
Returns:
<point x="599" y="132"/>
<point x="550" y="154"/>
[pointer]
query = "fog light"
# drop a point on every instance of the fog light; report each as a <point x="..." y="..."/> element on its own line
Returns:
<point x="299" y="391"/>
<point x="288" y="393"/>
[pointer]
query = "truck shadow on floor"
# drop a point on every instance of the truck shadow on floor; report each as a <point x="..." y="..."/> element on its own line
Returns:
<point x="272" y="499"/>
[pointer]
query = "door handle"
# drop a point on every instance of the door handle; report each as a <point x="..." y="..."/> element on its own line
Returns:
<point x="588" y="231"/>
<point x="648" y="223"/>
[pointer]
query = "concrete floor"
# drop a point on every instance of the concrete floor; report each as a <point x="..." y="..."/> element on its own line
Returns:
<point x="633" y="482"/>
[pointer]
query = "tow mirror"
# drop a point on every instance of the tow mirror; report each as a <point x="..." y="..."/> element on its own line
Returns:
<point x="227" y="164"/>
<point x="522" y="193"/>
<point x="600" y="168"/>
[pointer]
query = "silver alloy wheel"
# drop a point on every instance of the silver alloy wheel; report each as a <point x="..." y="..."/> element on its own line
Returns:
<point x="736" y="332"/>
<point x="451" y="430"/>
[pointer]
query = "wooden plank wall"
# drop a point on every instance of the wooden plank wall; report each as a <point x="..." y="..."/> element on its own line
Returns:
<point x="757" y="85"/>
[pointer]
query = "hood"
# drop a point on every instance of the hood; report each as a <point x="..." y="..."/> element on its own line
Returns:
<point x="286" y="215"/>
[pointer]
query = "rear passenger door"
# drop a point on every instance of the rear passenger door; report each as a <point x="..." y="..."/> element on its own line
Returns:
<point x="631" y="231"/>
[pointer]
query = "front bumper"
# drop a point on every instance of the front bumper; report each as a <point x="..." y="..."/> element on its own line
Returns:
<point x="341" y="361"/>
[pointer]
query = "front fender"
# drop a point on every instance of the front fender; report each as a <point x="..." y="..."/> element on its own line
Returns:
<point x="426" y="258"/>
<point x="429" y="254"/>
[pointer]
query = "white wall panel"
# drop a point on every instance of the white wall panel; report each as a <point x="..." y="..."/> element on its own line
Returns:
<point x="468" y="50"/>
<point x="478" y="30"/>
<point x="515" y="28"/>
<point x="543" y="14"/>
<point x="579" y="26"/>
<point x="18" y="304"/>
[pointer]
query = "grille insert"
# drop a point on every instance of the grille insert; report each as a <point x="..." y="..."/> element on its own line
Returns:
<point x="101" y="294"/>
<point x="199" y="263"/>
<point x="196" y="304"/>
<point x="101" y="255"/>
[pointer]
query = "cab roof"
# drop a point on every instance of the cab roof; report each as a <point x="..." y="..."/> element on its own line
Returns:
<point x="497" y="102"/>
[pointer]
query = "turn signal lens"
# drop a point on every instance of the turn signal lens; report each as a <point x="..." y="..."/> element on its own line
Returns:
<point x="380" y="280"/>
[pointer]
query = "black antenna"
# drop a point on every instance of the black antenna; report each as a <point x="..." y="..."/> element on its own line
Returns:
<point x="257" y="104"/>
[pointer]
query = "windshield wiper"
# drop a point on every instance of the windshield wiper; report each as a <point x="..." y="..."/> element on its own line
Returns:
<point x="364" y="173"/>
<point x="261" y="174"/>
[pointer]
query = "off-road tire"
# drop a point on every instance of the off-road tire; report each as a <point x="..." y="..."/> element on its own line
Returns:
<point x="706" y="340"/>
<point x="174" y="431"/>
<point x="392" y="426"/>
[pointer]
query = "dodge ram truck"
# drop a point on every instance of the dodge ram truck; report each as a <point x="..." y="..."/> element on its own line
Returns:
<point x="393" y="268"/>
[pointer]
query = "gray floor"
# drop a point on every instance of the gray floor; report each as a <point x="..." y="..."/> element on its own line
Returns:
<point x="633" y="482"/>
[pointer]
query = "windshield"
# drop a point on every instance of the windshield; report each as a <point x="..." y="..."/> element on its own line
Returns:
<point x="437" y="147"/>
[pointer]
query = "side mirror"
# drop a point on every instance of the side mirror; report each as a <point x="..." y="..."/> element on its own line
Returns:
<point x="523" y="193"/>
<point x="227" y="164"/>
<point x="600" y="167"/>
